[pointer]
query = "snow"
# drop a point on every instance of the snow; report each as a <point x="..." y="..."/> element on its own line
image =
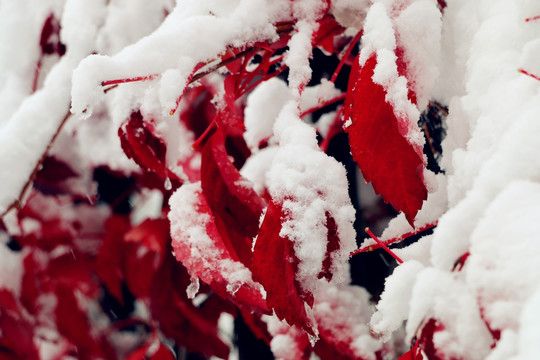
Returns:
<point x="262" y="110"/>
<point x="422" y="57"/>
<point x="350" y="13"/>
<point x="344" y="311"/>
<point x="503" y="266"/>
<point x="387" y="32"/>
<point x="266" y="101"/>
<point x="257" y="166"/>
<point x="297" y="58"/>
<point x="287" y="341"/>
<point x="393" y="307"/>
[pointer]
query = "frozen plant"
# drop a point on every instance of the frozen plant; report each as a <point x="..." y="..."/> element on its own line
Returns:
<point x="179" y="177"/>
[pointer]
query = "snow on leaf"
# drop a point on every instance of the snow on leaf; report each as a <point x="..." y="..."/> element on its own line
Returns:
<point x="385" y="156"/>
<point x="198" y="245"/>
<point x="310" y="207"/>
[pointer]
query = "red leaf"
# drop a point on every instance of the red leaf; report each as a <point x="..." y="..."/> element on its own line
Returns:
<point x="72" y="322"/>
<point x="16" y="335"/>
<point x="236" y="207"/>
<point x="324" y="36"/>
<point x="410" y="355"/>
<point x="145" y="247"/>
<point x="109" y="263"/>
<point x="73" y="271"/>
<point x="30" y="282"/>
<point x="50" y="37"/>
<point x="386" y="158"/>
<point x="146" y="149"/>
<point x="52" y="176"/>
<point x="275" y="266"/>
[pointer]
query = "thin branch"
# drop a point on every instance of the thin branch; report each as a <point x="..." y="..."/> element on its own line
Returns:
<point x="532" y="18"/>
<point x="346" y="55"/>
<point x="133" y="79"/>
<point x="536" y="77"/>
<point x="323" y="104"/>
<point x="395" y="239"/>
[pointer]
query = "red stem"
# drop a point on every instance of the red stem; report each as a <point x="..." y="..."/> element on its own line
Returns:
<point x="37" y="71"/>
<point x="127" y="80"/>
<point x="251" y="75"/>
<point x="532" y="18"/>
<point x="346" y="55"/>
<point x="206" y="134"/>
<point x="189" y="80"/>
<point x="398" y="259"/>
<point x="18" y="203"/>
<point x="335" y="128"/>
<point x="395" y="239"/>
<point x="529" y="74"/>
<point x="269" y="76"/>
<point x="323" y="105"/>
